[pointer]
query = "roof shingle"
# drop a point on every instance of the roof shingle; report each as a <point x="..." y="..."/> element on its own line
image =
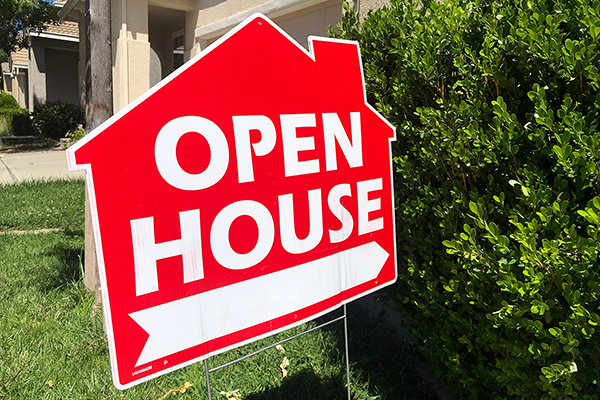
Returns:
<point x="65" y="28"/>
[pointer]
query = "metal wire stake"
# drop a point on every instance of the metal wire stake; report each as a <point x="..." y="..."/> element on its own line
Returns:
<point x="275" y="344"/>
<point x="347" y="354"/>
<point x="208" y="371"/>
<point x="207" y="379"/>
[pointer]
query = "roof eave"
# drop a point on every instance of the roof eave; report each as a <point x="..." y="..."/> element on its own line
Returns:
<point x="66" y="11"/>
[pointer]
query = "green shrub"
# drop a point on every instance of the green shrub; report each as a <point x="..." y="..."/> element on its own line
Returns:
<point x="55" y="119"/>
<point x="74" y="137"/>
<point x="497" y="187"/>
<point x="8" y="101"/>
<point x="4" y="126"/>
<point x="21" y="124"/>
<point x="14" y="120"/>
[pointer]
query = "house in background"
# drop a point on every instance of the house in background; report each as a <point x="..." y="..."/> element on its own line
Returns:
<point x="54" y="65"/>
<point x="15" y="75"/>
<point x="48" y="70"/>
<point x="151" y="38"/>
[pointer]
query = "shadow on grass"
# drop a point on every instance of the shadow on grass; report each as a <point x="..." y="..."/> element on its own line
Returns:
<point x="18" y="145"/>
<point x="69" y="257"/>
<point x="381" y="358"/>
<point x="304" y="385"/>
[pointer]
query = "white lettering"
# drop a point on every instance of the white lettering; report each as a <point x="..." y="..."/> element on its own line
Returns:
<point x="139" y="371"/>
<point x="242" y="125"/>
<point x="219" y="234"/>
<point x="365" y="206"/>
<point x="165" y="153"/>
<point x="292" y="144"/>
<point x="333" y="131"/>
<point x="146" y="252"/>
<point x="289" y="240"/>
<point x="342" y="214"/>
<point x="334" y="135"/>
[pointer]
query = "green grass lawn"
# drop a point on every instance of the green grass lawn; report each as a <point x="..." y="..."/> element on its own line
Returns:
<point x="52" y="344"/>
<point x="42" y="205"/>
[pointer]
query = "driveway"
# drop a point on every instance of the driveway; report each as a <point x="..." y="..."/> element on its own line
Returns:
<point x="50" y="164"/>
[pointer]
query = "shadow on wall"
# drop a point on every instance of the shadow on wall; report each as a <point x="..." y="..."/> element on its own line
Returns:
<point x="37" y="102"/>
<point x="211" y="3"/>
<point x="61" y="76"/>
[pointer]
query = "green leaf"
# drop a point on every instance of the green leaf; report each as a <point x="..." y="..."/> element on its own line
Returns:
<point x="473" y="207"/>
<point x="558" y="150"/>
<point x="587" y="331"/>
<point x="569" y="45"/>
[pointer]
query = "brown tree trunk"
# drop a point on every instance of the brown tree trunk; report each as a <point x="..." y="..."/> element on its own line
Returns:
<point x="98" y="107"/>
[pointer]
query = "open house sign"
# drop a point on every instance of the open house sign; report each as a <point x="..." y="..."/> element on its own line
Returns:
<point x="248" y="192"/>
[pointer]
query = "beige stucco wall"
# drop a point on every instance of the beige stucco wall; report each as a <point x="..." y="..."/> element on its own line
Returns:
<point x="213" y="11"/>
<point x="214" y="22"/>
<point x="6" y="81"/>
<point x="364" y="6"/>
<point x="314" y="21"/>
<point x="142" y="54"/>
<point x="133" y="58"/>
<point x="134" y="42"/>
<point x="131" y="50"/>
<point x="14" y="79"/>
<point x="20" y="87"/>
<point x="16" y="85"/>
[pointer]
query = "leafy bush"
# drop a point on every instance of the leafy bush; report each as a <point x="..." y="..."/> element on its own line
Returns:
<point x="4" y="126"/>
<point x="497" y="187"/>
<point x="14" y="120"/>
<point x="21" y="123"/>
<point x="74" y="136"/>
<point x="55" y="119"/>
<point x="8" y="101"/>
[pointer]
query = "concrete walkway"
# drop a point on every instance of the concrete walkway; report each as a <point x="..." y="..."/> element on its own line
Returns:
<point x="48" y="164"/>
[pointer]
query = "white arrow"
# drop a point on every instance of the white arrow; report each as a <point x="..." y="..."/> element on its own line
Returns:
<point x="196" y="319"/>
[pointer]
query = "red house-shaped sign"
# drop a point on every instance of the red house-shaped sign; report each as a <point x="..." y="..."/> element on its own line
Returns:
<point x="248" y="192"/>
